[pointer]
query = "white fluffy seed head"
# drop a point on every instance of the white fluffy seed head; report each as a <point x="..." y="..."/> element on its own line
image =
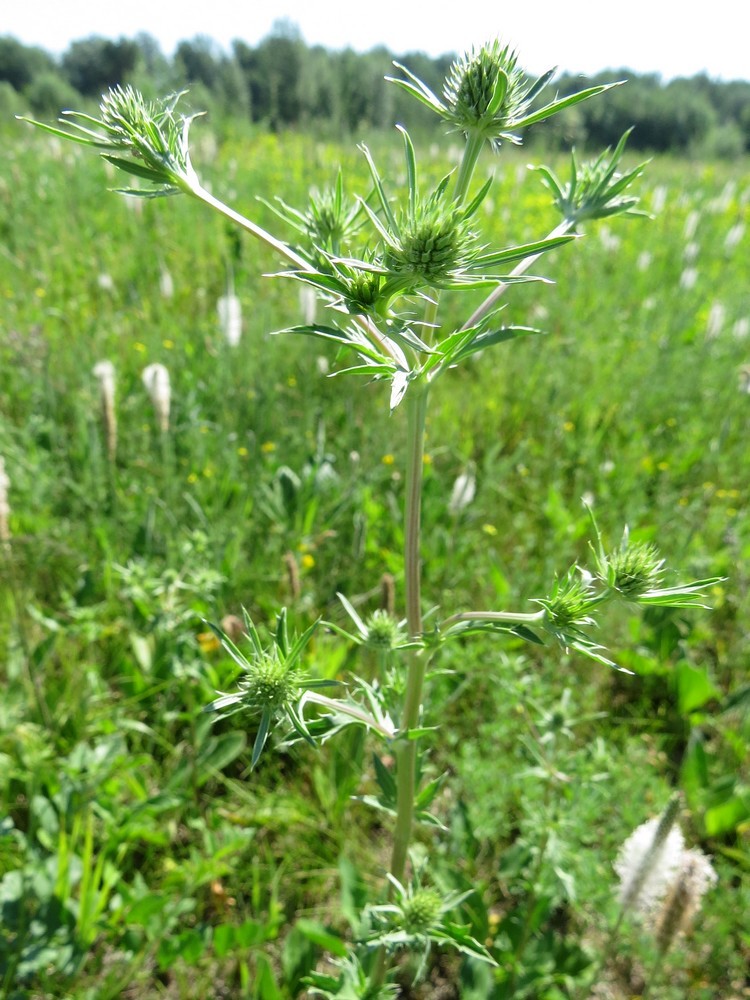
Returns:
<point x="229" y="309"/>
<point x="156" y="380"/>
<point x="463" y="492"/>
<point x="694" y="877"/>
<point x="646" y="868"/>
<point x="105" y="373"/>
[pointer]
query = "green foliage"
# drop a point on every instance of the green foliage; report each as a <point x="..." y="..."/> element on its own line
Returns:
<point x="284" y="83"/>
<point x="200" y="880"/>
<point x="94" y="64"/>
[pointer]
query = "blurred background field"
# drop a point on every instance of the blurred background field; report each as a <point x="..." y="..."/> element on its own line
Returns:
<point x="137" y="856"/>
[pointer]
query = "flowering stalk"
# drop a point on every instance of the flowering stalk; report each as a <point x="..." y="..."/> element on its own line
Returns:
<point x="660" y="881"/>
<point x="4" y="504"/>
<point x="647" y="859"/>
<point x="229" y="311"/>
<point x="694" y="877"/>
<point x="105" y="373"/>
<point x="156" y="380"/>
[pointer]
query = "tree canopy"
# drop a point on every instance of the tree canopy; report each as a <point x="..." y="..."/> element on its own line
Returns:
<point x="283" y="83"/>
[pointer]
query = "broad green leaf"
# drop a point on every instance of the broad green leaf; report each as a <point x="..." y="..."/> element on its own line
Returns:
<point x="694" y="689"/>
<point x="319" y="935"/>
<point x="726" y="817"/>
<point x="219" y="751"/>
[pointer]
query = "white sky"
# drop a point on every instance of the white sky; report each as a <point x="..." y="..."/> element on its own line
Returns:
<point x="669" y="37"/>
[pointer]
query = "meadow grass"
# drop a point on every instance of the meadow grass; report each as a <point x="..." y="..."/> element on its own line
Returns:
<point x="136" y="856"/>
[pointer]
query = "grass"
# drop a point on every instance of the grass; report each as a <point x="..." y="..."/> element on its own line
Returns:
<point x="137" y="856"/>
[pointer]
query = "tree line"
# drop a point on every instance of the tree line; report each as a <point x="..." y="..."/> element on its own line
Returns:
<point x="283" y="83"/>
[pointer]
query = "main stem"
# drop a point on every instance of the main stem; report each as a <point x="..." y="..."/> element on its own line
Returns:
<point x="406" y="753"/>
<point x="416" y="410"/>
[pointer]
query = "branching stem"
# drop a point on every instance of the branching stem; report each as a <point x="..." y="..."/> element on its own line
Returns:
<point x="521" y="268"/>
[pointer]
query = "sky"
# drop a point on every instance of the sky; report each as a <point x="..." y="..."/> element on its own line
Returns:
<point x="649" y="36"/>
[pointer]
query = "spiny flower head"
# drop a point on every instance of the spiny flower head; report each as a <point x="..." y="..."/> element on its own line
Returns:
<point x="272" y="685"/>
<point x="486" y="95"/>
<point x="146" y="139"/>
<point x="379" y="631"/>
<point x="635" y="568"/>
<point x="365" y="289"/>
<point x="417" y="918"/>
<point x="433" y="244"/>
<point x="634" y="571"/>
<point x="383" y="631"/>
<point x="269" y="684"/>
<point x="421" y="910"/>
<point x="150" y="132"/>
<point x="126" y="112"/>
<point x="485" y="89"/>
<point x="596" y="189"/>
<point x="331" y="219"/>
<point x="328" y="224"/>
<point x="570" y="602"/>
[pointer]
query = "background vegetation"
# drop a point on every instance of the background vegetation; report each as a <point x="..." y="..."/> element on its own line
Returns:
<point x="283" y="83"/>
<point x="137" y="856"/>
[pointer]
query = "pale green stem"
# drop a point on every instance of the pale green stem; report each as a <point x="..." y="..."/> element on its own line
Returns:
<point x="521" y="268"/>
<point x="474" y="145"/>
<point x="406" y="752"/>
<point x="257" y="231"/>
<point x="514" y="618"/>
<point x="416" y="406"/>
<point x="381" y="341"/>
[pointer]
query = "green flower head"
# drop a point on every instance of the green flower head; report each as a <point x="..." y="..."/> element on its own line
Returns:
<point x="485" y="90"/>
<point x="434" y="244"/>
<point x="383" y="631"/>
<point x="272" y="685"/>
<point x="487" y="96"/>
<point x="635" y="568"/>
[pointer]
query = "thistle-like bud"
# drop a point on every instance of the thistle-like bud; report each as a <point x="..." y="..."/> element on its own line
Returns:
<point x="383" y="631"/>
<point x="487" y="96"/>
<point x="156" y="380"/>
<point x="421" y="910"/>
<point x="433" y="244"/>
<point x="634" y="569"/>
<point x="484" y="89"/>
<point x="648" y="860"/>
<point x="152" y="134"/>
<point x="4" y="504"/>
<point x="105" y="373"/>
<point x="269" y="685"/>
<point x="363" y="290"/>
<point x="596" y="189"/>
<point x="570" y="603"/>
